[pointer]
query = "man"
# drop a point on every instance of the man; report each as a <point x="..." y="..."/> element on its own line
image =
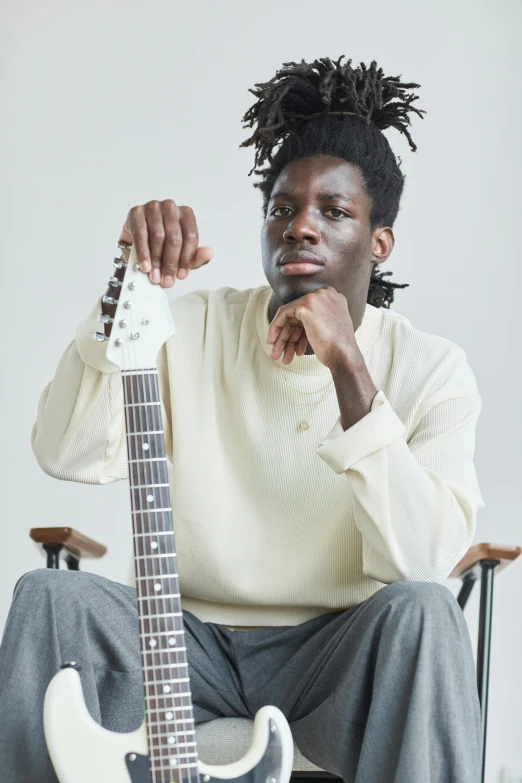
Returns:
<point x="323" y="481"/>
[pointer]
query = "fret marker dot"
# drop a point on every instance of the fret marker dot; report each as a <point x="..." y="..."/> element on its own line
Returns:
<point x="157" y="587"/>
<point x="145" y="447"/>
<point x="172" y="641"/>
<point x="171" y="740"/>
<point x="169" y="715"/>
<point x="154" y="545"/>
<point x="150" y="498"/>
<point x="173" y="762"/>
<point x="153" y="642"/>
<point x="166" y="689"/>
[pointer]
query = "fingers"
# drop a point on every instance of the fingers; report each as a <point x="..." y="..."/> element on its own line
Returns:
<point x="189" y="243"/>
<point x="137" y="223"/>
<point x="288" y="341"/>
<point x="166" y="239"/>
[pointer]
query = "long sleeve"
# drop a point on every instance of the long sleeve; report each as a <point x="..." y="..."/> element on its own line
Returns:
<point x="416" y="499"/>
<point x="79" y="433"/>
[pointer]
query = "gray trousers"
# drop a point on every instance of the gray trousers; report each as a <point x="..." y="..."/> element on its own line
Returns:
<point x="384" y="692"/>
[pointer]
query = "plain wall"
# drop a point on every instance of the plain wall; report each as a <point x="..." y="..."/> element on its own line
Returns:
<point x="108" y="105"/>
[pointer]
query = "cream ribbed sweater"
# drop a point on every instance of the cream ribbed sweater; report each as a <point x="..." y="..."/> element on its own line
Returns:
<point x="275" y="525"/>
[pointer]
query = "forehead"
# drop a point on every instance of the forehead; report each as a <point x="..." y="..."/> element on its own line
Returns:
<point x="321" y="174"/>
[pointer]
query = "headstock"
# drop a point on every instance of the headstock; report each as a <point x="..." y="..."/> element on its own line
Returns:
<point x="142" y="321"/>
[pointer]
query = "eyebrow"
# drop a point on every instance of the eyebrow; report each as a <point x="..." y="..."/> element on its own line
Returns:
<point x="321" y="196"/>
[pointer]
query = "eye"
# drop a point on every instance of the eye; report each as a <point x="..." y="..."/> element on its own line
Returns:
<point x="276" y="208"/>
<point x="336" y="209"/>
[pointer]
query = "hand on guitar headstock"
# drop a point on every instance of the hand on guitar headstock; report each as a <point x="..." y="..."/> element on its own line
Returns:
<point x="166" y="238"/>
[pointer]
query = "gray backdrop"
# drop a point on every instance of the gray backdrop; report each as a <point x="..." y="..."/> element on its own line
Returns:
<point x="111" y="104"/>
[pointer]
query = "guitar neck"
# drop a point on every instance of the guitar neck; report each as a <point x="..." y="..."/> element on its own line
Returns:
<point x="168" y="701"/>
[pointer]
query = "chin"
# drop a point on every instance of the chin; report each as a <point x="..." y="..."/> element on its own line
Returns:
<point x="296" y="289"/>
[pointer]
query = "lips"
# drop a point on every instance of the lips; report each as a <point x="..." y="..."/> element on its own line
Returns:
<point x="299" y="257"/>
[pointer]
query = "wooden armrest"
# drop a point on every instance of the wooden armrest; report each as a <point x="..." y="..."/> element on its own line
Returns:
<point x="506" y="553"/>
<point x="75" y="542"/>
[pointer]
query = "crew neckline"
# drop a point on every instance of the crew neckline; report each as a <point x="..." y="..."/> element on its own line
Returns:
<point x="365" y="335"/>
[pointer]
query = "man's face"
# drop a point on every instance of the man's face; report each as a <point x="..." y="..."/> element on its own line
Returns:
<point x="319" y="205"/>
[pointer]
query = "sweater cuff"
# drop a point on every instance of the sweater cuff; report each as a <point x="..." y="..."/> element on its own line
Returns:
<point x="341" y="449"/>
<point x="91" y="351"/>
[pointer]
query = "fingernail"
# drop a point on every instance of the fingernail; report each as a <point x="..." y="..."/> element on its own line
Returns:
<point x="168" y="280"/>
<point x="145" y="265"/>
<point x="182" y="273"/>
<point x="155" y="276"/>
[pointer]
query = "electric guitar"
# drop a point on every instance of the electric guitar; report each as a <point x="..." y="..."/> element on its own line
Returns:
<point x="164" y="748"/>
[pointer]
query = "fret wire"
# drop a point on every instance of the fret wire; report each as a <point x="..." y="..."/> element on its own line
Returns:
<point x="164" y="614"/>
<point x="169" y="666"/>
<point x="150" y="459"/>
<point x="151" y="511"/>
<point x="179" y="679"/>
<point x="156" y="533"/>
<point x="167" y="722"/>
<point x="178" y="744"/>
<point x="165" y="633"/>
<point x="143" y="371"/>
<point x="138" y="404"/>
<point x="145" y="486"/>
<point x="178" y="733"/>
<point x="148" y="432"/>
<point x="179" y="756"/>
<point x="157" y="576"/>
<point x="178" y="766"/>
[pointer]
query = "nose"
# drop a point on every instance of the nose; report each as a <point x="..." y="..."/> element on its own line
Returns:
<point x="302" y="227"/>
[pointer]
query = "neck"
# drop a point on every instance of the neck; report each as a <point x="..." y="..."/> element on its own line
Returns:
<point x="356" y="310"/>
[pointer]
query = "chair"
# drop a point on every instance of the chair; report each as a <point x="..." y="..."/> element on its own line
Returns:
<point x="224" y="740"/>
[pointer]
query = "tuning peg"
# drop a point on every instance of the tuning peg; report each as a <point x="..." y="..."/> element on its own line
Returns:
<point x="99" y="337"/>
<point x="115" y="283"/>
<point x="105" y="319"/>
<point x="109" y="300"/>
<point x="120" y="263"/>
<point x="124" y="245"/>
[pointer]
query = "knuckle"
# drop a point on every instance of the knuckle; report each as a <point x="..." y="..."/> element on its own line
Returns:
<point x="174" y="238"/>
<point x="156" y="233"/>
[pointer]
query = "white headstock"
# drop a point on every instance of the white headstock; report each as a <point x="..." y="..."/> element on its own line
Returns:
<point x="142" y="323"/>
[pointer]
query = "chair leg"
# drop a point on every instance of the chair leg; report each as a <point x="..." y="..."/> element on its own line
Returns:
<point x="53" y="555"/>
<point x="484" y="646"/>
<point x="468" y="583"/>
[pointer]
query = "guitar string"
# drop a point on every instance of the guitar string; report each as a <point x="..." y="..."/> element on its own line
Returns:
<point x="149" y="383"/>
<point x="168" y="653"/>
<point x="158" y="563"/>
<point x="148" y="577"/>
<point x="145" y="522"/>
<point x="129" y="387"/>
<point x="158" y="602"/>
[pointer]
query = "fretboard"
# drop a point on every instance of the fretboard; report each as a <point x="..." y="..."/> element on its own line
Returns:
<point x="168" y="701"/>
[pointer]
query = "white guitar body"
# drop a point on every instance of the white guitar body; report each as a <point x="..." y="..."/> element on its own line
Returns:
<point x="164" y="749"/>
<point x="82" y="751"/>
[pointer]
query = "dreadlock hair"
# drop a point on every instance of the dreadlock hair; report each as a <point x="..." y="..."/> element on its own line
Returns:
<point x="286" y="111"/>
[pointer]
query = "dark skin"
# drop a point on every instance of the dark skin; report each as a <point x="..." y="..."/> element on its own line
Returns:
<point x="319" y="313"/>
<point x="316" y="313"/>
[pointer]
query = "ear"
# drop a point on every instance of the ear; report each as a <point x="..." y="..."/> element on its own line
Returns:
<point x="383" y="241"/>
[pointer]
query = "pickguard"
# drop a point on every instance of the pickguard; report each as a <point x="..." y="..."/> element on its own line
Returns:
<point x="268" y="770"/>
